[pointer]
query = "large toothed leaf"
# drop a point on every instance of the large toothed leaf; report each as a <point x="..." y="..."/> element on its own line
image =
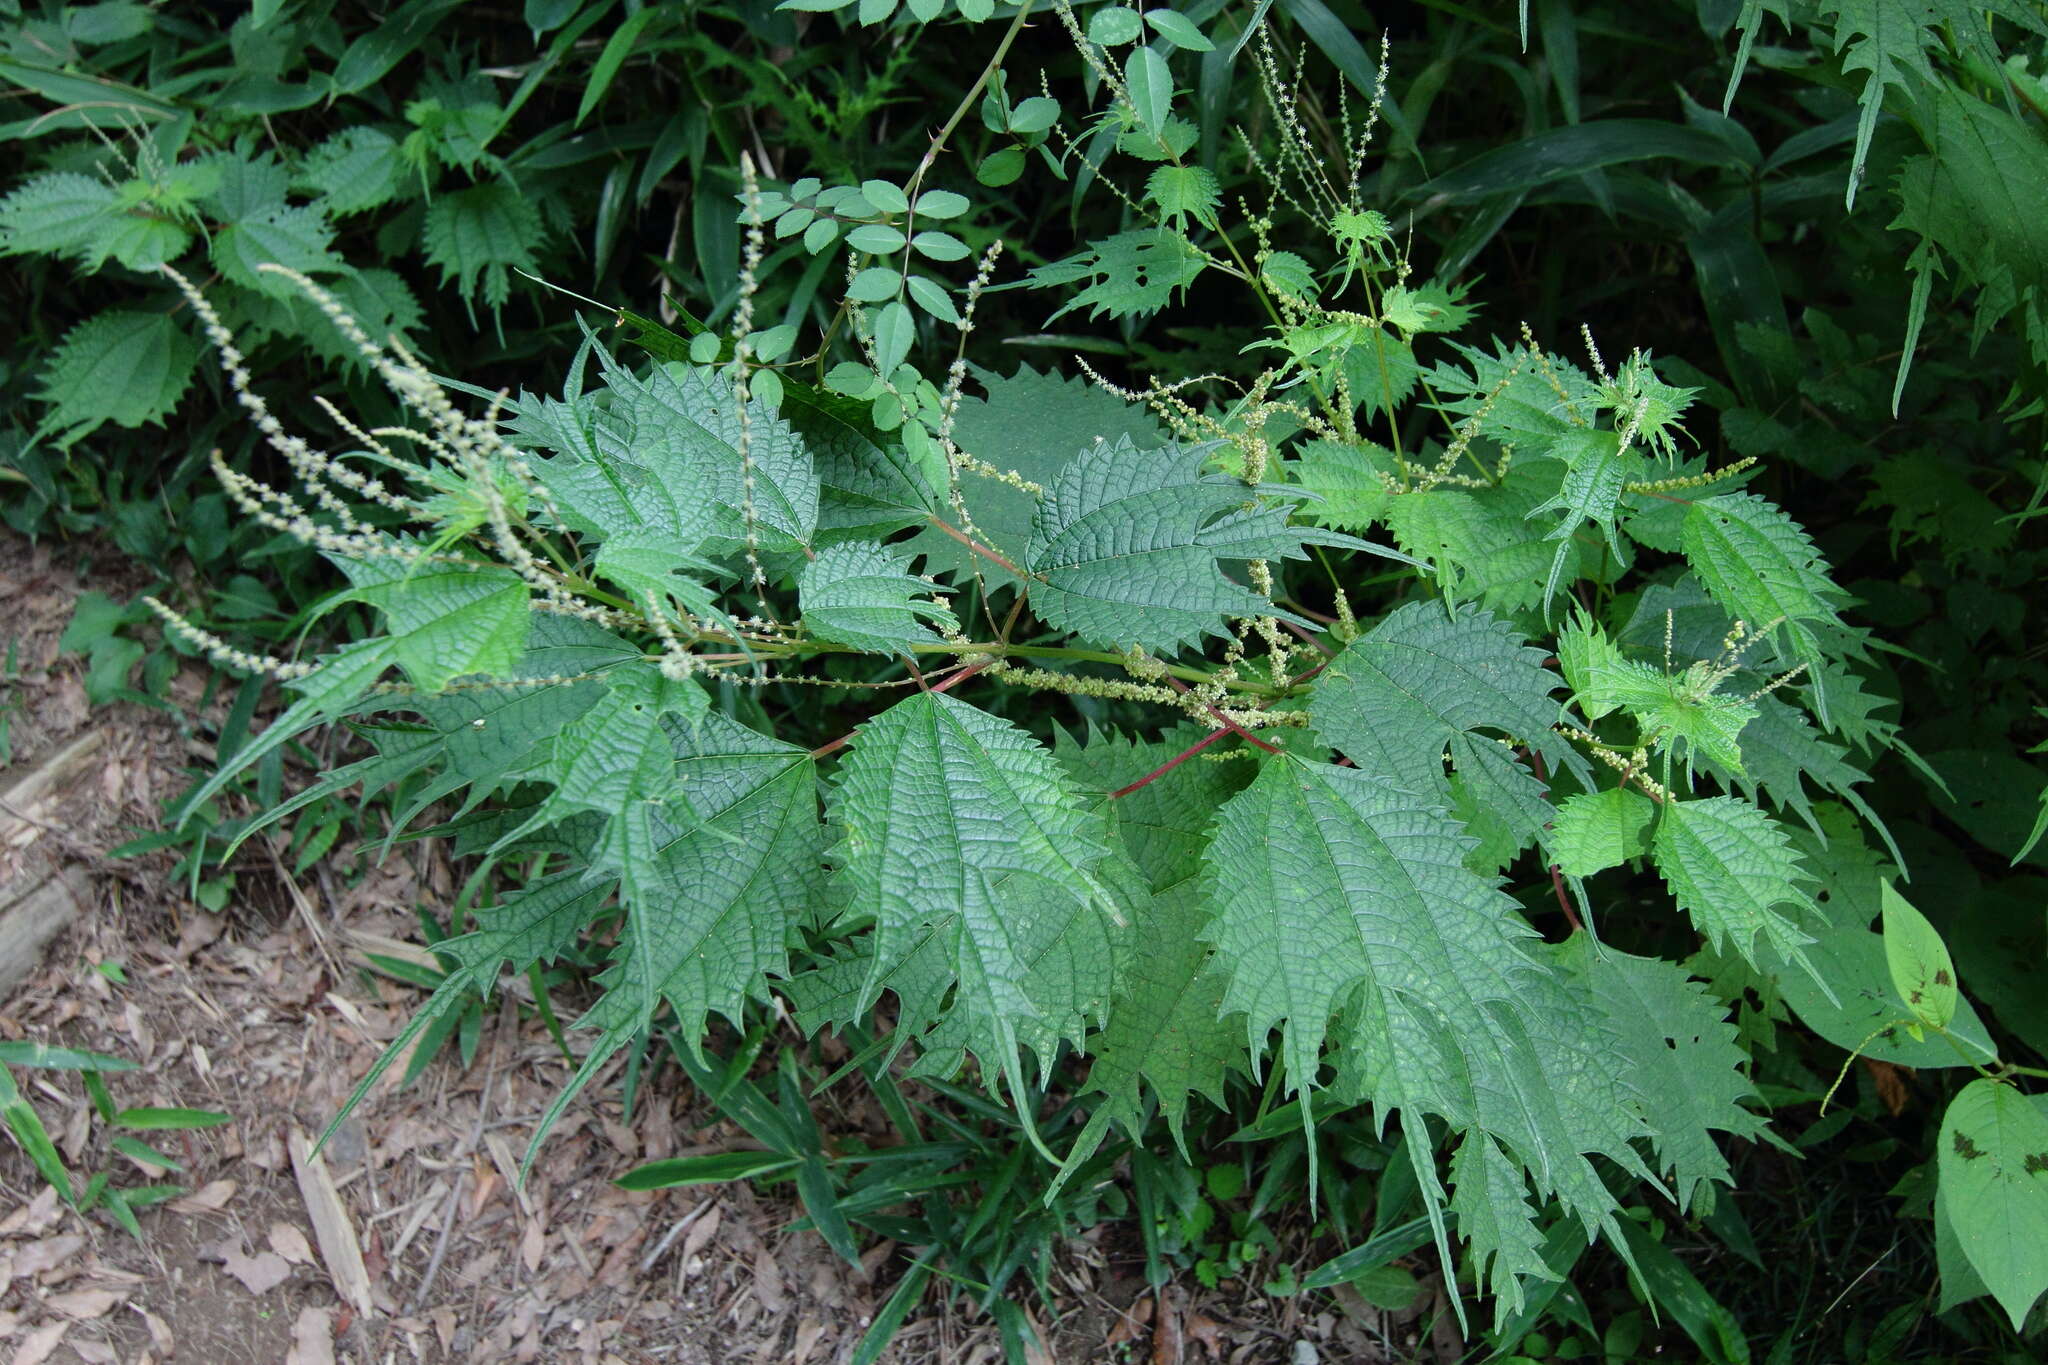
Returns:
<point x="714" y="860"/>
<point x="445" y="620"/>
<point x="1732" y="869"/>
<point x="1490" y="1195"/>
<point x="299" y="238"/>
<point x="1393" y="700"/>
<point x="1758" y="564"/>
<point x="936" y="791"/>
<point x="1684" y="1060"/>
<point x="1337" y="894"/>
<point x="123" y="367"/>
<point x="1132" y="544"/>
<point x="666" y="453"/>
<point x="59" y="213"/>
<point x="1031" y="425"/>
<point x="865" y="596"/>
<point x="1167" y="1032"/>
<point x="480" y="235"/>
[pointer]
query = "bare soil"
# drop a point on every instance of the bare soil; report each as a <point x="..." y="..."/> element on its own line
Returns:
<point x="268" y="1012"/>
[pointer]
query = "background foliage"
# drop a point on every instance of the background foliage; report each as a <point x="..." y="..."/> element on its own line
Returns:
<point x="1829" y="221"/>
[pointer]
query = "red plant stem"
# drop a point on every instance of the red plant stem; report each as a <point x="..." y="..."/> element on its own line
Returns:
<point x="980" y="549"/>
<point x="1227" y="722"/>
<point x="957" y="676"/>
<point x="1564" y="901"/>
<point x="1183" y="756"/>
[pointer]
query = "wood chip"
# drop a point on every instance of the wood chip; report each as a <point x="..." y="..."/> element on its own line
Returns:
<point x="332" y="1228"/>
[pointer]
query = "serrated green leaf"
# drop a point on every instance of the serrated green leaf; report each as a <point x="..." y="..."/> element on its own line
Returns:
<point x="480" y="235"/>
<point x="1690" y="1075"/>
<point x="1031" y="424"/>
<point x="53" y="214"/>
<point x="1490" y="1198"/>
<point x="139" y="241"/>
<point x="1130" y="274"/>
<point x="357" y="169"/>
<point x="1395" y="698"/>
<point x="1130" y="544"/>
<point x="1599" y="830"/>
<point x="1731" y="868"/>
<point x="121" y="367"/>
<point x="1167" y="1032"/>
<point x="715" y="851"/>
<point x="1757" y="563"/>
<point x="1883" y="38"/>
<point x="864" y="595"/>
<point x="299" y="238"/>
<point x="1337" y="893"/>
<point x="1349" y="480"/>
<point x="935" y="791"/>
<point x="1480" y="542"/>
<point x="445" y="620"/>
<point x="661" y="456"/>
<point x="1183" y="192"/>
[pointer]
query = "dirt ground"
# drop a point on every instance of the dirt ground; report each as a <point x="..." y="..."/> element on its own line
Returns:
<point x="409" y="1239"/>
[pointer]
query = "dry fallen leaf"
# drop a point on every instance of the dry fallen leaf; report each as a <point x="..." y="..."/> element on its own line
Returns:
<point x="259" y="1274"/>
<point x="288" y="1242"/>
<point x="159" y="1330"/>
<point x="83" y="1304"/>
<point x="532" y="1245"/>
<point x="51" y="1252"/>
<point x="209" y="1198"/>
<point x="41" y="1343"/>
<point x="312" y="1338"/>
<point x="332" y="1227"/>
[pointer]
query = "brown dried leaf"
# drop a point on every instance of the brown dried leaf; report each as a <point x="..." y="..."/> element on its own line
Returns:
<point x="768" y="1286"/>
<point x="259" y="1274"/>
<point x="1890" y="1084"/>
<point x="312" y="1338"/>
<point x="288" y="1242"/>
<point x="532" y="1244"/>
<point x="41" y="1344"/>
<point x="209" y="1198"/>
<point x="51" y="1252"/>
<point x="159" y="1330"/>
<point x="84" y="1304"/>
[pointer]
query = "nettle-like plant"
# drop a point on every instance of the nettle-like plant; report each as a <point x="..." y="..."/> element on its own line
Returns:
<point x="1062" y="722"/>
